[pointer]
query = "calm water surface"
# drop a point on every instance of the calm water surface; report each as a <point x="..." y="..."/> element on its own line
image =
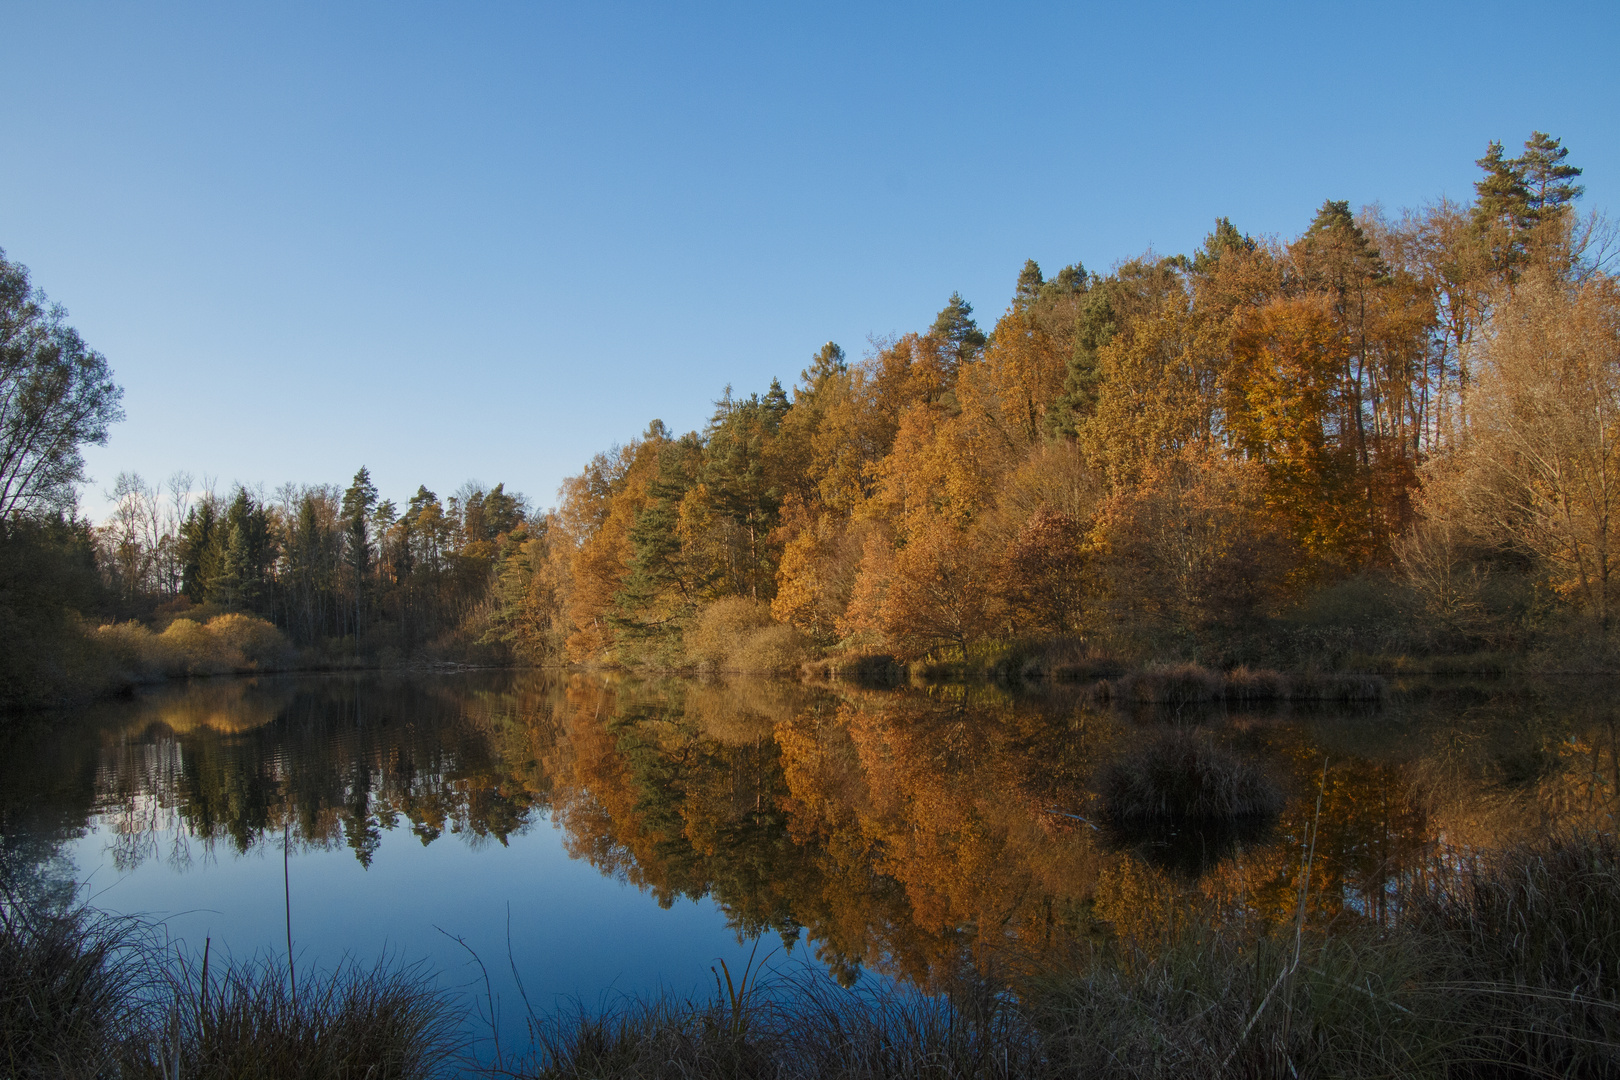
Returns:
<point x="607" y="836"/>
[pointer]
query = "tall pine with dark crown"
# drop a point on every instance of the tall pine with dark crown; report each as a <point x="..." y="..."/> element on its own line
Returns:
<point x="1547" y="177"/>
<point x="358" y="503"/>
<point x="1028" y="287"/>
<point x="955" y="327"/>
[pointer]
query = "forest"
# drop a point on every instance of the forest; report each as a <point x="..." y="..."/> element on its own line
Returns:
<point x="1389" y="438"/>
<point x="1387" y="441"/>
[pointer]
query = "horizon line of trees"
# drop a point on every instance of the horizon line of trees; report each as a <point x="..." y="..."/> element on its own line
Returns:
<point x="1168" y="457"/>
<point x="320" y="562"/>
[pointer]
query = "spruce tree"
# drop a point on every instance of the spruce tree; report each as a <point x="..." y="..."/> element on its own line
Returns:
<point x="656" y="595"/>
<point x="1082" y="382"/>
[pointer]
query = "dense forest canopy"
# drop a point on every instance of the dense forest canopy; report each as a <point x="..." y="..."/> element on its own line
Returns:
<point x="1169" y="456"/>
<point x="1393" y="432"/>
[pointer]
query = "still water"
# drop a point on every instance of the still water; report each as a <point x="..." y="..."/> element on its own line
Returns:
<point x="614" y="836"/>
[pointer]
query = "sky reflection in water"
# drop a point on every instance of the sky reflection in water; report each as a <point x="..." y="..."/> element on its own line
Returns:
<point x="620" y="835"/>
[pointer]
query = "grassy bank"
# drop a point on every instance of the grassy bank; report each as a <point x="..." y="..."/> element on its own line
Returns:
<point x="1496" y="965"/>
<point x="87" y="996"/>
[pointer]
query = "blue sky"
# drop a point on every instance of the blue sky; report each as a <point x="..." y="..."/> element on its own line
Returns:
<point x="454" y="241"/>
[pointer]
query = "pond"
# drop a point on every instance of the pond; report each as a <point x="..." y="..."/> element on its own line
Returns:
<point x="603" y="836"/>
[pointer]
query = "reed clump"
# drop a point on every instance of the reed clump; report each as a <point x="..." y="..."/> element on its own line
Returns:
<point x="1183" y="776"/>
<point x="868" y="669"/>
<point x="87" y="995"/>
<point x="248" y="1021"/>
<point x="1168" y="684"/>
<point x="71" y="988"/>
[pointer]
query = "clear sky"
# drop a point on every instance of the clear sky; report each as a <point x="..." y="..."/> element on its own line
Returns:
<point x="485" y="240"/>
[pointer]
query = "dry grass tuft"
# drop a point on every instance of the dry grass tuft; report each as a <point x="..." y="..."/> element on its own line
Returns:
<point x="70" y="992"/>
<point x="383" y="1022"/>
<point x="1529" y="939"/>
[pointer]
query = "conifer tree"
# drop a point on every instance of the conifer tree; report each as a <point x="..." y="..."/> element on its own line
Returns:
<point x="828" y="361"/>
<point x="202" y="550"/>
<point x="358" y="502"/>
<point x="659" y="589"/>
<point x="955" y="326"/>
<point x="775" y="404"/>
<point x="249" y="552"/>
<point x="1083" y="380"/>
<point x="1028" y="287"/>
<point x="1547" y="177"/>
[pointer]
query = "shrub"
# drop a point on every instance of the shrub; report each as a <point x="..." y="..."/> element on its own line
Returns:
<point x="1183" y="776"/>
<point x="254" y="643"/>
<point x="192" y="650"/>
<point x="737" y="634"/>
<point x="773" y="649"/>
<point x="722" y="628"/>
<point x="225" y="643"/>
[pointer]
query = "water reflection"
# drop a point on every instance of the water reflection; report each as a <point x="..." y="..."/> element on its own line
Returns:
<point x="907" y="831"/>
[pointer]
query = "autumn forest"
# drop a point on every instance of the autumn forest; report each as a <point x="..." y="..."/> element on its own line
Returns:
<point x="1385" y="440"/>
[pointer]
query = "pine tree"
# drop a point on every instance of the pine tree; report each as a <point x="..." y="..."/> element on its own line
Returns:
<point x="955" y="326"/>
<point x="1082" y="382"/>
<point x="775" y="404"/>
<point x="1501" y="195"/>
<point x="1546" y="177"/>
<point x="1028" y="287"/>
<point x="1224" y="239"/>
<point x="358" y="503"/>
<point x="828" y="361"/>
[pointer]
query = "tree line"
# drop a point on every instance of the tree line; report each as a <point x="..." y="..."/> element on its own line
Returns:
<point x="325" y="564"/>
<point x="1392" y="432"/>
<point x="1405" y="414"/>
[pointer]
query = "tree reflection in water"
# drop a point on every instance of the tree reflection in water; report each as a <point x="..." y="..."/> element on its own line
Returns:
<point x="909" y="831"/>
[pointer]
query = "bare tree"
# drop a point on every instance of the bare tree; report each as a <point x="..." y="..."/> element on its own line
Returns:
<point x="1540" y="470"/>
